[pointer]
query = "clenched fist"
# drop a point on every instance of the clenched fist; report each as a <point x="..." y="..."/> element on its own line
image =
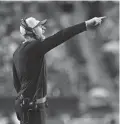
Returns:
<point x="94" y="22"/>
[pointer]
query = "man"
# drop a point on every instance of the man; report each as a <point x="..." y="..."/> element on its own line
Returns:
<point x="29" y="68"/>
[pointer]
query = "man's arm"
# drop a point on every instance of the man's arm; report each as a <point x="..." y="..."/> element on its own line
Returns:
<point x="16" y="80"/>
<point x="62" y="36"/>
<point x="69" y="32"/>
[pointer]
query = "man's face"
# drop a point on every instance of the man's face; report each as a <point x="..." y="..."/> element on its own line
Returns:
<point x="39" y="31"/>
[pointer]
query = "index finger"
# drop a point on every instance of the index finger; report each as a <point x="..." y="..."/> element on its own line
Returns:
<point x="103" y="17"/>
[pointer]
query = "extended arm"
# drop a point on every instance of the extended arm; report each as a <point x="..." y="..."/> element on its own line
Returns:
<point x="16" y="80"/>
<point x="62" y="36"/>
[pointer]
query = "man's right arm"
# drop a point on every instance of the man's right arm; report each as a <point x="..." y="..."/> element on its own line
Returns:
<point x="16" y="80"/>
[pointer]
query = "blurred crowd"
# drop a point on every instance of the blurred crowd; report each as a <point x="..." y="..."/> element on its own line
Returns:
<point x="86" y="67"/>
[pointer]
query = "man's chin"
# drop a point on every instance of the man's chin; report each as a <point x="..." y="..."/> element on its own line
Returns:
<point x="41" y="38"/>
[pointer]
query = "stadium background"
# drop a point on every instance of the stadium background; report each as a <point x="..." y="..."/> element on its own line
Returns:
<point x="83" y="73"/>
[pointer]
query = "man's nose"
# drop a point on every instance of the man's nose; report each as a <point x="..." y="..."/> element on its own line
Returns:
<point x="43" y="27"/>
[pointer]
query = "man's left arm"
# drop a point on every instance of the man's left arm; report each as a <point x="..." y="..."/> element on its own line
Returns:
<point x="67" y="33"/>
<point x="62" y="36"/>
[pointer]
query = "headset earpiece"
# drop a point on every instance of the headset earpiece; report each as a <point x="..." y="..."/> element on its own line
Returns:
<point x="25" y="25"/>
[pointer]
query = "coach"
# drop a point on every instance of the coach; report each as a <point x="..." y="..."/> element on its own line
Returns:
<point x="29" y="68"/>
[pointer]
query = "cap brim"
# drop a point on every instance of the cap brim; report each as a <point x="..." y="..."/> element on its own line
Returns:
<point x="43" y="22"/>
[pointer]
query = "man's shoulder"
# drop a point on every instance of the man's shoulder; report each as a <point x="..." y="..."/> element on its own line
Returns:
<point x="26" y="46"/>
<point x="31" y="42"/>
<point x="34" y="44"/>
<point x="16" y="51"/>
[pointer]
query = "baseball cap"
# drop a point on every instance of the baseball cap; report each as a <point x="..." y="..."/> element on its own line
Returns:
<point x="32" y="23"/>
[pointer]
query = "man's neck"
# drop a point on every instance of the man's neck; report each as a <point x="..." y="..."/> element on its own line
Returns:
<point x="28" y="40"/>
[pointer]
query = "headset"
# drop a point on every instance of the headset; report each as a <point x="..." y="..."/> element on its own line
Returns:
<point x="29" y="30"/>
